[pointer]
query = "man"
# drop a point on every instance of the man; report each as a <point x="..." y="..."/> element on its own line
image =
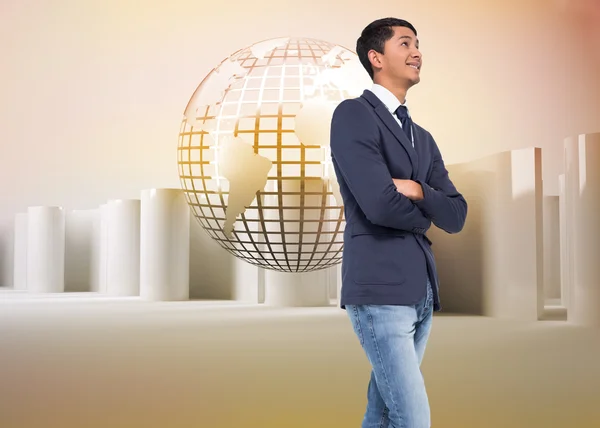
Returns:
<point x="395" y="186"/>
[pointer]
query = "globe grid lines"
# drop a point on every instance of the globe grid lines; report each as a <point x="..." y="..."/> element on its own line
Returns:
<point x="289" y="250"/>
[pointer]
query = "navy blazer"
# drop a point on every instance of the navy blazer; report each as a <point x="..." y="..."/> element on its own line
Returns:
<point x="386" y="255"/>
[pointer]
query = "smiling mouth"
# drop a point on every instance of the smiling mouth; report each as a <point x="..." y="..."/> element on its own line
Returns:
<point x="416" y="67"/>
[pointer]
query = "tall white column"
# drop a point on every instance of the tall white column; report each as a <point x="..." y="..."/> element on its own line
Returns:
<point x="571" y="168"/>
<point x="164" y="245"/>
<point x="564" y="250"/>
<point x="298" y="288"/>
<point x="20" y="252"/>
<point x="123" y="247"/>
<point x="46" y="250"/>
<point x="524" y="298"/>
<point x="586" y="289"/>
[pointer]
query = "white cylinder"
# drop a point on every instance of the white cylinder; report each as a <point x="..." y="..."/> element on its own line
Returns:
<point x="296" y="289"/>
<point x="46" y="250"/>
<point x="123" y="247"/>
<point x="246" y="281"/>
<point x="20" y="252"/>
<point x="586" y="292"/>
<point x="164" y="245"/>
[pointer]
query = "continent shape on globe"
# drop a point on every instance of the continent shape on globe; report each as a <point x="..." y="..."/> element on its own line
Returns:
<point x="247" y="174"/>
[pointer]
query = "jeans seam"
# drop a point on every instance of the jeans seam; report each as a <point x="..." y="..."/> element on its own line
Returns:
<point x="382" y="423"/>
<point x="358" y="326"/>
<point x="387" y="383"/>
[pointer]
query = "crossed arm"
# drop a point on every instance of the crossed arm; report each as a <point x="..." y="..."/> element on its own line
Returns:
<point x="400" y="204"/>
<point x="438" y="199"/>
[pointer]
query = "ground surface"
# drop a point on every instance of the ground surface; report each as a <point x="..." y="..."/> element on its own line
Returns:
<point x="81" y="360"/>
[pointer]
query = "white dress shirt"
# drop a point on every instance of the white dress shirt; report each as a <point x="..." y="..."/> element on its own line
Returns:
<point x="391" y="102"/>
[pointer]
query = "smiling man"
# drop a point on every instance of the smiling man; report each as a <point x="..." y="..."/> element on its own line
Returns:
<point x="394" y="185"/>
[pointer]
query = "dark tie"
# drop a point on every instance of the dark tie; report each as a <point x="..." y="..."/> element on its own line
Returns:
<point x="405" y="120"/>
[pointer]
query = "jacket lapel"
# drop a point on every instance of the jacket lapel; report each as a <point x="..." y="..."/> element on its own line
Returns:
<point x="389" y="121"/>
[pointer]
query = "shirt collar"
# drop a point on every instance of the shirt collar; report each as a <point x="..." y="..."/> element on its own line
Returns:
<point x="387" y="98"/>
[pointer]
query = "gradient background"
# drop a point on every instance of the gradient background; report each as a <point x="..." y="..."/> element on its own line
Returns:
<point x="91" y="98"/>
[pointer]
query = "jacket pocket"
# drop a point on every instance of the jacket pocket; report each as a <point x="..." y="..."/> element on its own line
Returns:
<point x="376" y="258"/>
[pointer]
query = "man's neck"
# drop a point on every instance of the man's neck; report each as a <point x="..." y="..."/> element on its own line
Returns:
<point x="398" y="91"/>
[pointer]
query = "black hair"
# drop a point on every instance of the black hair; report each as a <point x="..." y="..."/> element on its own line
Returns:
<point x="374" y="37"/>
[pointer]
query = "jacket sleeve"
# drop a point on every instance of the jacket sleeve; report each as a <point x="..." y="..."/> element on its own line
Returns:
<point x="441" y="202"/>
<point x="355" y="148"/>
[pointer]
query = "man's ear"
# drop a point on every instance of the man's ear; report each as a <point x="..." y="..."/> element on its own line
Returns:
<point x="375" y="59"/>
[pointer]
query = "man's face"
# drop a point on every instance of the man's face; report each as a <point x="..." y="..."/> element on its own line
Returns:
<point x="401" y="61"/>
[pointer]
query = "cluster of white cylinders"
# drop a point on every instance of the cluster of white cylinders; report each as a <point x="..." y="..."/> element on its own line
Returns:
<point x="136" y="247"/>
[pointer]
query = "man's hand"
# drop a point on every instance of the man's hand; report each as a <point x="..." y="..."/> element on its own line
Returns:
<point x="411" y="189"/>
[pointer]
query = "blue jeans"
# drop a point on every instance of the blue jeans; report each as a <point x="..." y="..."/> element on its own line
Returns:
<point x="394" y="339"/>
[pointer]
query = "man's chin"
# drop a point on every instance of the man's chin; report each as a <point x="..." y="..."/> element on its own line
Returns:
<point x="413" y="81"/>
